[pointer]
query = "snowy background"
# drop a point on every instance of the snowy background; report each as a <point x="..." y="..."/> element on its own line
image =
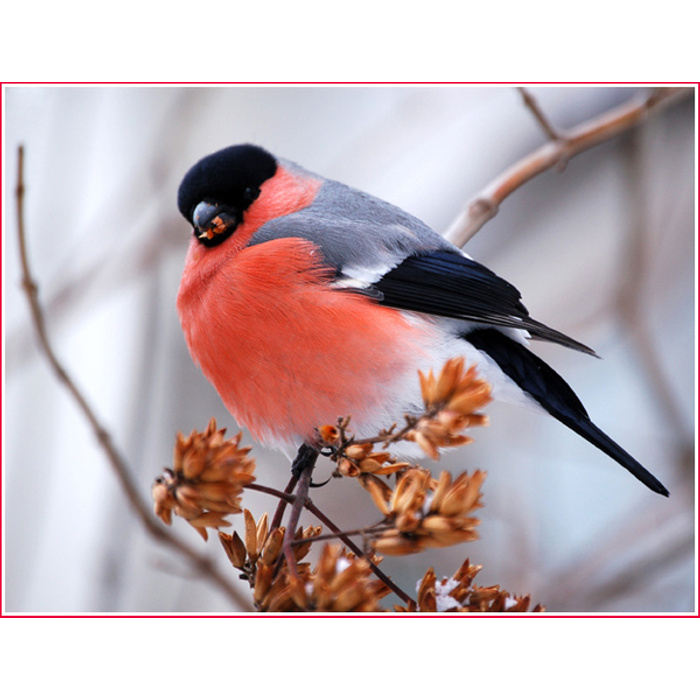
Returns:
<point x="604" y="251"/>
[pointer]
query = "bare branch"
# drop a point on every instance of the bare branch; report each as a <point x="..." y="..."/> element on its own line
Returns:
<point x="533" y="106"/>
<point x="121" y="470"/>
<point x="552" y="154"/>
<point x="303" y="465"/>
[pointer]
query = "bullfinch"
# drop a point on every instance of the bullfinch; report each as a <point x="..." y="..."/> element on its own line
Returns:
<point x="303" y="299"/>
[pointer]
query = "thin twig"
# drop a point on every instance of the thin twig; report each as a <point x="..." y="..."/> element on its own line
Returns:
<point x="568" y="144"/>
<point x="344" y="537"/>
<point x="368" y="531"/>
<point x="532" y="104"/>
<point x="336" y="533"/>
<point x="302" y="468"/>
<point x="121" y="470"/>
<point x="279" y="513"/>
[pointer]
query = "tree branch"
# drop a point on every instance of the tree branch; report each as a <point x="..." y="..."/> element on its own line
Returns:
<point x="121" y="470"/>
<point x="563" y="146"/>
<point x="532" y="104"/>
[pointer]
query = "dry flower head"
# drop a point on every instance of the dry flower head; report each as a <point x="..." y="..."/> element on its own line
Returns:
<point x="257" y="554"/>
<point x="261" y="544"/>
<point x="421" y="512"/>
<point x="451" y="400"/>
<point x="458" y="594"/>
<point x="360" y="459"/>
<point x="207" y="479"/>
<point x="341" y="582"/>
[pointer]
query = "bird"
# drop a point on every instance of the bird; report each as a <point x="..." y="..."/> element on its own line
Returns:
<point x="303" y="299"/>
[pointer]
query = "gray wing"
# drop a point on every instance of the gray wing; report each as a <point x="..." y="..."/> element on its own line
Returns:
<point x="361" y="236"/>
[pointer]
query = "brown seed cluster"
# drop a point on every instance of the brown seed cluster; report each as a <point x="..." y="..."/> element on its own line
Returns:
<point x="421" y="512"/>
<point x="457" y="594"/>
<point x="361" y="459"/>
<point x="452" y="401"/>
<point x="451" y="404"/>
<point x="257" y="555"/>
<point x="340" y="582"/>
<point x="206" y="481"/>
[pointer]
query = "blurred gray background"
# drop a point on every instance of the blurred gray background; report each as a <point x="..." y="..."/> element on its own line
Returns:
<point x="604" y="251"/>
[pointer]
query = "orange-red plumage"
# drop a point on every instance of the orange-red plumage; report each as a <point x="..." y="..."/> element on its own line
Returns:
<point x="263" y="322"/>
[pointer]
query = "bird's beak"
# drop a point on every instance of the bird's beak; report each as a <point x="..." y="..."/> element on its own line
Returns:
<point x="212" y="220"/>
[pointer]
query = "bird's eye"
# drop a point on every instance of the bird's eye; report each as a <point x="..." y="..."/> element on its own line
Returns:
<point x="250" y="195"/>
<point x="214" y="222"/>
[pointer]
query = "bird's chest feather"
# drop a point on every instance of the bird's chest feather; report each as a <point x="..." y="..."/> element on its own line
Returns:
<point x="285" y="351"/>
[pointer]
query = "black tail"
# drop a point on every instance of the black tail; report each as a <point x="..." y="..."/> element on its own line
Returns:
<point x="548" y="389"/>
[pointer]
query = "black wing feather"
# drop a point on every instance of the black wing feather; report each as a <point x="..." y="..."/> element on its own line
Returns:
<point x="445" y="283"/>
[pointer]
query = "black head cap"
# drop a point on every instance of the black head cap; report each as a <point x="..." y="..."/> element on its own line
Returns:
<point x="231" y="176"/>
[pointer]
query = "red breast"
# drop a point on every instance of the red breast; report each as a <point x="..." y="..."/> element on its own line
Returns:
<point x="286" y="351"/>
